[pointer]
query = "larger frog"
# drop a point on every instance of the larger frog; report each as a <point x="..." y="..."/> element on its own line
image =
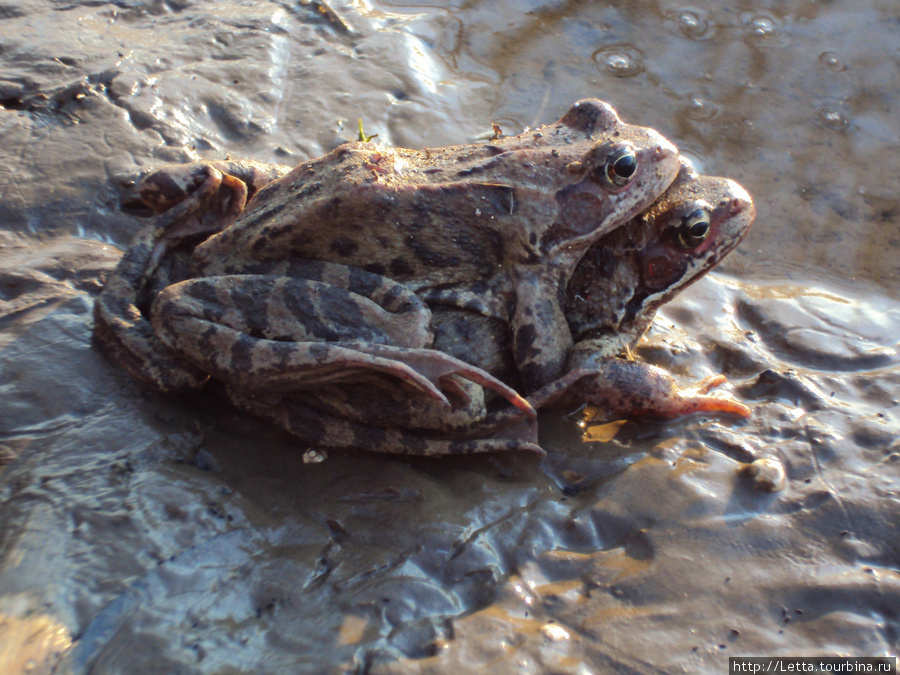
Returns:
<point x="324" y="276"/>
<point x="611" y="299"/>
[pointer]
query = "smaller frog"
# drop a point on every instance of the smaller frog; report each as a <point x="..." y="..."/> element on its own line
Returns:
<point x="624" y="278"/>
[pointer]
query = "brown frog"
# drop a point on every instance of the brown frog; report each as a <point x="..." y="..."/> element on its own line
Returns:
<point x="611" y="299"/>
<point x="327" y="274"/>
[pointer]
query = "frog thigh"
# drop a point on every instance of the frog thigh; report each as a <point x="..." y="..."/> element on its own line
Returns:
<point x="323" y="308"/>
<point x="263" y="332"/>
<point x="323" y="301"/>
<point x="128" y="339"/>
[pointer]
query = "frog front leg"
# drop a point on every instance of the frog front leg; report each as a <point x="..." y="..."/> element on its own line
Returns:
<point x="626" y="389"/>
<point x="325" y="323"/>
<point x="539" y="333"/>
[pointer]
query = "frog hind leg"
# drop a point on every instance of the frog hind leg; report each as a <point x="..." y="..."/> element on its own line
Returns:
<point x="263" y="332"/>
<point x="323" y="430"/>
<point x="622" y="389"/>
<point x="123" y="333"/>
<point x="437" y="368"/>
<point x="120" y="328"/>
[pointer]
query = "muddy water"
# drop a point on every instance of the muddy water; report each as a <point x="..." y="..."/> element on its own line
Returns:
<point x="141" y="533"/>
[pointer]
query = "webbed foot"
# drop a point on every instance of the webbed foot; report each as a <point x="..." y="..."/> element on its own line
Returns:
<point x="621" y="389"/>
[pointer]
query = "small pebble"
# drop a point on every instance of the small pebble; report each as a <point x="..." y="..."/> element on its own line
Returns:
<point x="767" y="474"/>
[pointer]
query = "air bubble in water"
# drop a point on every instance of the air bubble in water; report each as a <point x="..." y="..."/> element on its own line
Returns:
<point x="763" y="29"/>
<point x="762" y="26"/>
<point x="832" y="61"/>
<point x="620" y="60"/>
<point x="833" y="118"/>
<point x="700" y="107"/>
<point x="691" y="24"/>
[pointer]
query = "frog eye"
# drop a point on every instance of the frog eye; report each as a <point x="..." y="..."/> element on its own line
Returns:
<point x="694" y="229"/>
<point x="621" y="166"/>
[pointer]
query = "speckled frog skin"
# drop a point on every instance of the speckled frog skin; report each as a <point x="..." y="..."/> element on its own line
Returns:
<point x="313" y="302"/>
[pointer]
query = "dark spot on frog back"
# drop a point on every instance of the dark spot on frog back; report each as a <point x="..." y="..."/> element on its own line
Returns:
<point x="375" y="268"/>
<point x="430" y="257"/>
<point x="304" y="189"/>
<point x="479" y="165"/>
<point x="262" y="239"/>
<point x="401" y="268"/>
<point x="263" y="215"/>
<point x="477" y="153"/>
<point x="344" y="246"/>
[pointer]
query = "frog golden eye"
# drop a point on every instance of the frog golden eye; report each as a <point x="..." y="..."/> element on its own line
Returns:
<point x="621" y="167"/>
<point x="694" y="229"/>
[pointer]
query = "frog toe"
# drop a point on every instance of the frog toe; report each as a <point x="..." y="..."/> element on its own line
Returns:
<point x="437" y="367"/>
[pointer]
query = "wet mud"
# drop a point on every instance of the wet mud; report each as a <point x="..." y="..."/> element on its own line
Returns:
<point x="144" y="533"/>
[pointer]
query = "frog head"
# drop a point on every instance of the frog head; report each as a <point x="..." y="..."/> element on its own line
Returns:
<point x="627" y="275"/>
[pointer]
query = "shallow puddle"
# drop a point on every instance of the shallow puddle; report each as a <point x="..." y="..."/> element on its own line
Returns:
<point x="140" y="532"/>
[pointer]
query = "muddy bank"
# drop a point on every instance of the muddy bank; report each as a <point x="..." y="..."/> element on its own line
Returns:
<point x="178" y="535"/>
